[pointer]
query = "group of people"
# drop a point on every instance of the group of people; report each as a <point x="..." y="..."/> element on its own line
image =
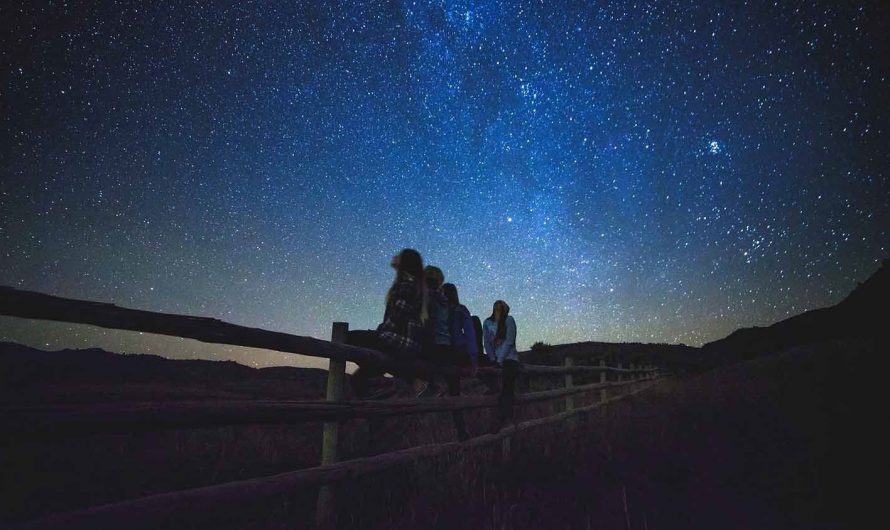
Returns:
<point x="424" y="320"/>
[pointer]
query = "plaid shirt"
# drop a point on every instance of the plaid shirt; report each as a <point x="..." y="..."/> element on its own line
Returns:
<point x="402" y="329"/>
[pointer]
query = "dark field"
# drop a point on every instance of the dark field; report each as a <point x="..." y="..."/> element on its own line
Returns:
<point x="770" y="443"/>
<point x="780" y="442"/>
<point x="47" y="475"/>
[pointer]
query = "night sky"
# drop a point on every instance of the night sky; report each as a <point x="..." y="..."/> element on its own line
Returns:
<point x="615" y="171"/>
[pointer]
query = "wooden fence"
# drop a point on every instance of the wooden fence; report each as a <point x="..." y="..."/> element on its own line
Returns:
<point x="187" y="506"/>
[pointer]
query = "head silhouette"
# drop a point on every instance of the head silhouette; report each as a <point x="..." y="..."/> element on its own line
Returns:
<point x="450" y="291"/>
<point x="410" y="262"/>
<point x="434" y="277"/>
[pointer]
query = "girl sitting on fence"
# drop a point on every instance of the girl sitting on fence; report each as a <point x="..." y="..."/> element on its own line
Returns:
<point x="454" y="342"/>
<point x="437" y="344"/>
<point x="500" y="345"/>
<point x="401" y="332"/>
<point x="463" y="331"/>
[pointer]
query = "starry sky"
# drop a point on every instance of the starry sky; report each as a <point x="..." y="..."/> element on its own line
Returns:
<point x="653" y="171"/>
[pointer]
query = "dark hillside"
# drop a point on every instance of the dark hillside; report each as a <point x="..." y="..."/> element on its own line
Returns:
<point x="862" y="314"/>
<point x="674" y="358"/>
<point x="30" y="375"/>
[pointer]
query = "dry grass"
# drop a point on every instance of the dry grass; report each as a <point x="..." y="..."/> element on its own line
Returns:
<point x="773" y="443"/>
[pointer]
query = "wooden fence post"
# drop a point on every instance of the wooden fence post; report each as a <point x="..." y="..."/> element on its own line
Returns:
<point x="325" y="510"/>
<point x="457" y="416"/>
<point x="602" y="380"/>
<point x="524" y="384"/>
<point x="570" y="400"/>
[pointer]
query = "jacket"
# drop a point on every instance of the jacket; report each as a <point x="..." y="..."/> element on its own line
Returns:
<point x="438" y="308"/>
<point x="463" y="333"/>
<point x="504" y="350"/>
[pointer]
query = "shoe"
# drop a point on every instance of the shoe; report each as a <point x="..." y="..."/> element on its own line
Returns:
<point x="420" y="388"/>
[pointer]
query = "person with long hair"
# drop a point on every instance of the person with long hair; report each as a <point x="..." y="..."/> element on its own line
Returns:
<point x="463" y="350"/>
<point x="500" y="345"/>
<point x="400" y="335"/>
<point x="437" y="343"/>
<point x="403" y="319"/>
<point x="463" y="330"/>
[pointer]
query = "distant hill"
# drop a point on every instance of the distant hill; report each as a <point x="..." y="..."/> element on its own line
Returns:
<point x="33" y="375"/>
<point x="862" y="314"/>
<point x="672" y="357"/>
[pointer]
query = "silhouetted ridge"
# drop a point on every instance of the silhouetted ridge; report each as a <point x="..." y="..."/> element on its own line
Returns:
<point x="871" y="294"/>
<point x="673" y="357"/>
<point x="859" y="315"/>
<point x="28" y="374"/>
<point x="22" y="363"/>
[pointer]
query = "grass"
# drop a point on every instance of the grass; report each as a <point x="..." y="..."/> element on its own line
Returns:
<point x="779" y="442"/>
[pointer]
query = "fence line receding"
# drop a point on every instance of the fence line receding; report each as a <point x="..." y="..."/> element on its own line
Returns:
<point x="56" y="421"/>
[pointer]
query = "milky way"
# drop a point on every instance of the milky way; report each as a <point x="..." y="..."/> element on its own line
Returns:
<point x="651" y="171"/>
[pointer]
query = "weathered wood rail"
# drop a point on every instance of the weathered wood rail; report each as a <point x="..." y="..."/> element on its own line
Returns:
<point x="58" y="421"/>
<point x="188" y="506"/>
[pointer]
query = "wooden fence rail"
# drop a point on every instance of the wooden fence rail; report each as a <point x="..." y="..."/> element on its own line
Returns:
<point x="28" y="422"/>
<point x="57" y="421"/>
<point x="195" y="505"/>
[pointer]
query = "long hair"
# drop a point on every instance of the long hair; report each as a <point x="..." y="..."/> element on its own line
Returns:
<point x="411" y="264"/>
<point x="499" y="312"/>
<point x="450" y="291"/>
